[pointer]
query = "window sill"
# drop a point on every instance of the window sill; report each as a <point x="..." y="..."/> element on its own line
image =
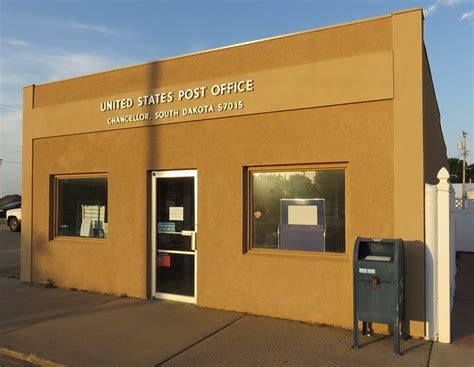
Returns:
<point x="343" y="256"/>
<point x="78" y="239"/>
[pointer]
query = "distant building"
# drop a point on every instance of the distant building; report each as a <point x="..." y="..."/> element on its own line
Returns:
<point x="469" y="190"/>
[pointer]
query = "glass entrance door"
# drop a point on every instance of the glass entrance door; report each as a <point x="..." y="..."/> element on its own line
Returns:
<point x="174" y="235"/>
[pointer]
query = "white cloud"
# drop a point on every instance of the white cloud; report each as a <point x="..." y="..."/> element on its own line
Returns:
<point x="450" y="2"/>
<point x="70" y="64"/>
<point x="38" y="66"/>
<point x="10" y="99"/>
<point x="96" y="28"/>
<point x="10" y="126"/>
<point x="467" y="16"/>
<point x="14" y="42"/>
<point x="439" y="3"/>
<point x="430" y="10"/>
<point x="27" y="65"/>
<point x="12" y="78"/>
<point x="10" y="133"/>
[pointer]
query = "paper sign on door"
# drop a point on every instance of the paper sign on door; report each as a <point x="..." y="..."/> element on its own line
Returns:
<point x="176" y="213"/>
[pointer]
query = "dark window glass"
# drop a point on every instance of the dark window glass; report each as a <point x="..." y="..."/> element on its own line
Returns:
<point x="175" y="274"/>
<point x="298" y="210"/>
<point x="175" y="192"/>
<point x="82" y="207"/>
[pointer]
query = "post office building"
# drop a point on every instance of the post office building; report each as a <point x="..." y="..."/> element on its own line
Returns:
<point x="237" y="178"/>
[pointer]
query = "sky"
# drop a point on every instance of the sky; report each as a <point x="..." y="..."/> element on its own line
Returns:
<point x="45" y="40"/>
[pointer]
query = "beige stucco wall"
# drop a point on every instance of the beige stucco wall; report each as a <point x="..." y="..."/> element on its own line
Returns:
<point x="408" y="159"/>
<point x="373" y="126"/>
<point x="227" y="278"/>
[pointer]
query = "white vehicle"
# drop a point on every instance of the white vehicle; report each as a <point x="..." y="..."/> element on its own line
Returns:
<point x="14" y="219"/>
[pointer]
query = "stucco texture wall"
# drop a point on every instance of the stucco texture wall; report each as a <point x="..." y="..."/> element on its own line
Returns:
<point x="312" y="287"/>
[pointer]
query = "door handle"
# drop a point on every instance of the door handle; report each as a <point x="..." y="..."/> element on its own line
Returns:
<point x="191" y="234"/>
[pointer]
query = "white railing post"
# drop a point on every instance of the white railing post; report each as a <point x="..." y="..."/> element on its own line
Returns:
<point x="453" y="238"/>
<point x="444" y="257"/>
<point x="431" y="261"/>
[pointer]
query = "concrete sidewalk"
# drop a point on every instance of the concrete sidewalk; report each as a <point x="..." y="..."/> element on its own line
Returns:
<point x="452" y="355"/>
<point x="461" y="352"/>
<point x="85" y="329"/>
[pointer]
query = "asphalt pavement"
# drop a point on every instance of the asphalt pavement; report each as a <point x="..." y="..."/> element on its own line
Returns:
<point x="462" y="327"/>
<point x="9" y="252"/>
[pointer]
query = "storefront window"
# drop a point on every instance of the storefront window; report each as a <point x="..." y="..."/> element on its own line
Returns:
<point x="298" y="210"/>
<point x="82" y="207"/>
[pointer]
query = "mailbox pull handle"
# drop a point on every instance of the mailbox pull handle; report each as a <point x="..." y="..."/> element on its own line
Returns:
<point x="375" y="282"/>
<point x="191" y="234"/>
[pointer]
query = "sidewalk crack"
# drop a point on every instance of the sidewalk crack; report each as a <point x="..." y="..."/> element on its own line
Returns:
<point x="200" y="341"/>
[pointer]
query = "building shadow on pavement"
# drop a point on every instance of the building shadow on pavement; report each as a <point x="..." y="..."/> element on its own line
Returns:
<point x="462" y="316"/>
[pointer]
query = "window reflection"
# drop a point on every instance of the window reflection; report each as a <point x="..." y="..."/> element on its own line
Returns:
<point x="82" y="207"/>
<point x="314" y="224"/>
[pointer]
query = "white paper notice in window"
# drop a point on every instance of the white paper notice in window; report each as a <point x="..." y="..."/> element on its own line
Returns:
<point x="86" y="228"/>
<point x="303" y="214"/>
<point x="176" y="213"/>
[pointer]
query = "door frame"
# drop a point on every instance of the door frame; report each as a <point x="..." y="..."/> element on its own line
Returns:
<point x="155" y="175"/>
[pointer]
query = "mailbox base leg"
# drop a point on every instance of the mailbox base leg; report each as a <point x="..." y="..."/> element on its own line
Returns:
<point x="405" y="329"/>
<point x="396" y="335"/>
<point x="355" y="336"/>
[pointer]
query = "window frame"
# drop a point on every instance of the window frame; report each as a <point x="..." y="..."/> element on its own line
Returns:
<point x="54" y="230"/>
<point x="248" y="192"/>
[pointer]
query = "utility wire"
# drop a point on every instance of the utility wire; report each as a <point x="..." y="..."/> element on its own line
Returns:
<point x="10" y="151"/>
<point x="11" y="148"/>
<point x="10" y="145"/>
<point x="17" y="162"/>
<point x="12" y="108"/>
